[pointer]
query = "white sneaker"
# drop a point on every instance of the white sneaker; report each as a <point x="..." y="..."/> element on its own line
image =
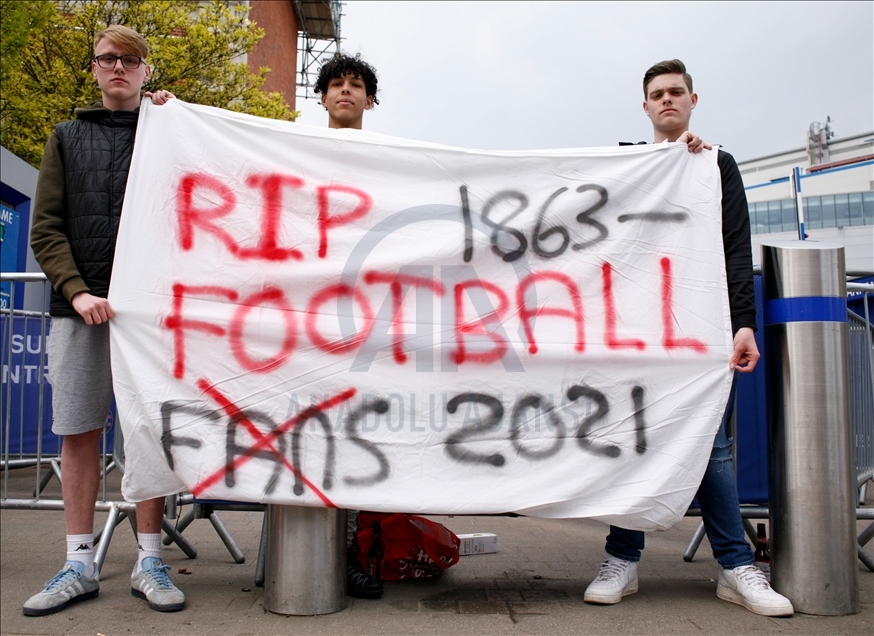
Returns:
<point x="748" y="586"/>
<point x="616" y="578"/>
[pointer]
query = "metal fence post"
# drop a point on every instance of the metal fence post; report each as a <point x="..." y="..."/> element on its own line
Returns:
<point x="812" y="480"/>
<point x="305" y="560"/>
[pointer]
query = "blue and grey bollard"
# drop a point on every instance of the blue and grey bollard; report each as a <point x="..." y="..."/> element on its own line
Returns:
<point x="812" y="478"/>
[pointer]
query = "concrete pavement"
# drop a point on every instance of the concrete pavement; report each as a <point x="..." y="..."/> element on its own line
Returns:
<point x="533" y="585"/>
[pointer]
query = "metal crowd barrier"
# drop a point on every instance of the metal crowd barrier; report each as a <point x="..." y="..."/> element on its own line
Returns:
<point x="861" y="395"/>
<point x="861" y="363"/>
<point x="21" y="374"/>
<point x="861" y="374"/>
<point x="25" y="408"/>
<point x="26" y="411"/>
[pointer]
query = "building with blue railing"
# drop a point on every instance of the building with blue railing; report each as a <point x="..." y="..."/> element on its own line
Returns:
<point x="837" y="188"/>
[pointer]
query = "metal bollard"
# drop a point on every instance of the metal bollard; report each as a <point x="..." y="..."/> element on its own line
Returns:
<point x="305" y="560"/>
<point x="812" y="481"/>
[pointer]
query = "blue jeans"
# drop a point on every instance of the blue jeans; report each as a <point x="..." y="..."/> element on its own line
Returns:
<point x="720" y="510"/>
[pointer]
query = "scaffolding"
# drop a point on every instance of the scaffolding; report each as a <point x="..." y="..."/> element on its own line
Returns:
<point x="318" y="39"/>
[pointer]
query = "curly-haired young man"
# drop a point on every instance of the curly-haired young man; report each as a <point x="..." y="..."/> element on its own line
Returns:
<point x="348" y="87"/>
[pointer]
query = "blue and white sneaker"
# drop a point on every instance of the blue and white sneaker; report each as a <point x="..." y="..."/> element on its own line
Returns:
<point x="70" y="585"/>
<point x="154" y="585"/>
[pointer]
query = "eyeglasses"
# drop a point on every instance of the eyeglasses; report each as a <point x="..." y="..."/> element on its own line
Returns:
<point x="130" y="62"/>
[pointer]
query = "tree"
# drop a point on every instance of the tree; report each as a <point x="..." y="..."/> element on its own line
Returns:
<point x="195" y="49"/>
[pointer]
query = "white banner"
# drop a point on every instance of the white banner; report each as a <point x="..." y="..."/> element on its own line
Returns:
<point x="336" y="318"/>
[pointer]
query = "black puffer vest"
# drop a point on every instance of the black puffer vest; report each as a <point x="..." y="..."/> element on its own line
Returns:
<point x="96" y="150"/>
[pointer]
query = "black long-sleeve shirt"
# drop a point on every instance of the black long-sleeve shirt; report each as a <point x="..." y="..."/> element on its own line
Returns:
<point x="737" y="245"/>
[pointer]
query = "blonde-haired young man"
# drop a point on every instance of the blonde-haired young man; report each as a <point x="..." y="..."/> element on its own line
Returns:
<point x="76" y="213"/>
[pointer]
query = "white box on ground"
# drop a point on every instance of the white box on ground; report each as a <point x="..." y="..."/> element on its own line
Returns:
<point x="478" y="543"/>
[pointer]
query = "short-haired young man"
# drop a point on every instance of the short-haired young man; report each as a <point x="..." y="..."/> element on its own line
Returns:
<point x="348" y="87"/>
<point x="78" y="204"/>
<point x="669" y="101"/>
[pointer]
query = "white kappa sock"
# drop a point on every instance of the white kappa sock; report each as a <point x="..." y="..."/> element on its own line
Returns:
<point x="148" y="545"/>
<point x="80" y="548"/>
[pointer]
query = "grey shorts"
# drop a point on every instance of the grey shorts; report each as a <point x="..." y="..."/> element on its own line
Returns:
<point x="81" y="375"/>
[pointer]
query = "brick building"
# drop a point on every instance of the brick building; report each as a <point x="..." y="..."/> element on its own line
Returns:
<point x="312" y="25"/>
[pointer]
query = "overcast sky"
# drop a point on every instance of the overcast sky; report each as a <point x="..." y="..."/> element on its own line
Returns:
<point x="521" y="75"/>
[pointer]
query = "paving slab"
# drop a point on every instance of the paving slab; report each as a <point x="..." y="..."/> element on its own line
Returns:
<point x="534" y="584"/>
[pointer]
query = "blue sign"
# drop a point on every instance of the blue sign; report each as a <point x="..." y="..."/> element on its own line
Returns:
<point x="20" y="354"/>
<point x="19" y="397"/>
<point x="10" y="257"/>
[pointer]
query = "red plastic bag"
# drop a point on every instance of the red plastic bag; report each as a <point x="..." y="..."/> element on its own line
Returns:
<point x="406" y="546"/>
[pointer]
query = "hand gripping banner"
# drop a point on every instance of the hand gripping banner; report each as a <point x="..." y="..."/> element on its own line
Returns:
<point x="336" y="318"/>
